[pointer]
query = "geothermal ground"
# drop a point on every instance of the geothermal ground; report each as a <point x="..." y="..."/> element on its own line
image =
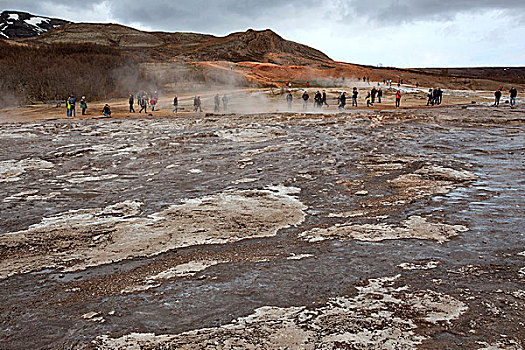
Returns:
<point x="370" y="229"/>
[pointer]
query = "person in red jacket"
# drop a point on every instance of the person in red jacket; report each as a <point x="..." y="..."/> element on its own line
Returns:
<point x="398" y="98"/>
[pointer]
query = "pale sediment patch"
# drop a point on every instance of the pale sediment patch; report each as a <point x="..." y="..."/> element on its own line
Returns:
<point x="299" y="256"/>
<point x="255" y="134"/>
<point x="522" y="271"/>
<point x="19" y="134"/>
<point x="244" y="181"/>
<point x="10" y="170"/>
<point x="415" y="186"/>
<point x="83" y="179"/>
<point x="423" y="266"/>
<point x="509" y="344"/>
<point x="347" y="214"/>
<point x="31" y="195"/>
<point x="79" y="239"/>
<point x="447" y="174"/>
<point x="188" y="269"/>
<point x="415" y="227"/>
<point x="369" y="320"/>
<point x="20" y="195"/>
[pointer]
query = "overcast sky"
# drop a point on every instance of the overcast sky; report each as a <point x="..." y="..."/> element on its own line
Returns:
<point x="401" y="33"/>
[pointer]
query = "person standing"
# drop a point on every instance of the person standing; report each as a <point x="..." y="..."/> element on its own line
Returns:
<point x="439" y="96"/>
<point x="497" y="96"/>
<point x="68" y="106"/>
<point x="342" y="100"/>
<point x="379" y="95"/>
<point x="131" y="102"/>
<point x="83" y="105"/>
<point x="373" y="93"/>
<point x="354" y="97"/>
<point x="72" y="102"/>
<point x="225" y="102"/>
<point x="398" y="98"/>
<point x="323" y="100"/>
<point x="513" y="94"/>
<point x="435" y="96"/>
<point x="289" y="100"/>
<point x="195" y="104"/>
<point x="199" y="104"/>
<point x="176" y="104"/>
<point x="217" y="102"/>
<point x="153" y="102"/>
<point x="318" y="100"/>
<point x="306" y="97"/>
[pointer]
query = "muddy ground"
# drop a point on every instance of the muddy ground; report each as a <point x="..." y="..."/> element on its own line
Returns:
<point x="361" y="230"/>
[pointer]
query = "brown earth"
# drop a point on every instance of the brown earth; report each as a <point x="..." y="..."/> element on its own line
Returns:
<point x="263" y="58"/>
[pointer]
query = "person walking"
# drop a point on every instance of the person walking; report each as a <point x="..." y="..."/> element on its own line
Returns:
<point x="217" y="101"/>
<point x="368" y="99"/>
<point x="131" y="102"/>
<point x="398" y="98"/>
<point x="225" y="102"/>
<point x="373" y="94"/>
<point x="195" y="104"/>
<point x="354" y="97"/>
<point x="176" y="104"/>
<point x="430" y="95"/>
<point x="379" y="95"/>
<point x="143" y="105"/>
<point x="323" y="99"/>
<point x="513" y="94"/>
<point x="306" y="97"/>
<point x="497" y="96"/>
<point x="83" y="105"/>
<point x="289" y="100"/>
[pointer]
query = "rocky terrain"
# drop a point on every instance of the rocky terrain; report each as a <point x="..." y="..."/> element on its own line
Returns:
<point x="368" y="229"/>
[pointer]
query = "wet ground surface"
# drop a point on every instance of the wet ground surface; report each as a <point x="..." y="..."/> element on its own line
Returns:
<point x="368" y="230"/>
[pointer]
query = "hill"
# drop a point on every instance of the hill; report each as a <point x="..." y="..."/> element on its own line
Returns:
<point x="251" y="45"/>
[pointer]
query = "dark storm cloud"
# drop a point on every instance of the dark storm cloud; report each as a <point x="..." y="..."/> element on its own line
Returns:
<point x="416" y="10"/>
<point x="228" y="15"/>
<point x="209" y="16"/>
